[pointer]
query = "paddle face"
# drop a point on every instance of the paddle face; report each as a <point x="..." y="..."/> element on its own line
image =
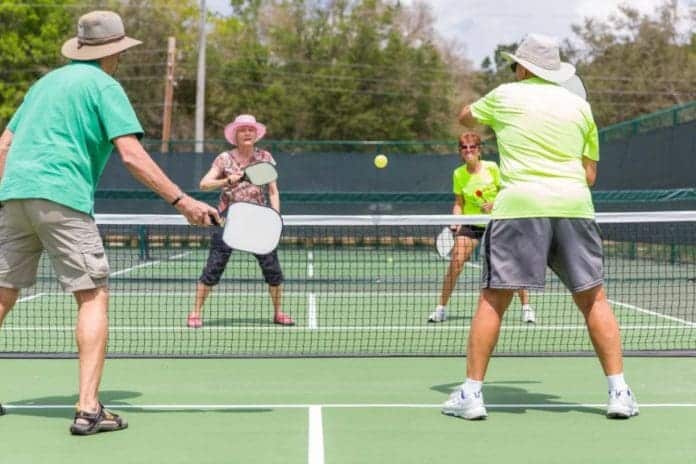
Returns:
<point x="577" y="86"/>
<point x="253" y="228"/>
<point x="444" y="242"/>
<point x="261" y="173"/>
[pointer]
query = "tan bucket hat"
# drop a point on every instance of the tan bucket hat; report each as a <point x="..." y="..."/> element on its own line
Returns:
<point x="540" y="54"/>
<point x="99" y="34"/>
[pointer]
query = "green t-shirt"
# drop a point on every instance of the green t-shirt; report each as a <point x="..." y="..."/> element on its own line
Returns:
<point x="62" y="136"/>
<point x="543" y="131"/>
<point x="477" y="188"/>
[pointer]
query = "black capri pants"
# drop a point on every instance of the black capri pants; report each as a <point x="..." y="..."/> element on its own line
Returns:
<point x="219" y="255"/>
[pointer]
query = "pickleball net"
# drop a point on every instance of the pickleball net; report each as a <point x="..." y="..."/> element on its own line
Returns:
<point x="356" y="286"/>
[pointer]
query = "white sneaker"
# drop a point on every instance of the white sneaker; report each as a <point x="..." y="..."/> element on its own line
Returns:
<point x="528" y="315"/>
<point x="467" y="406"/>
<point x="439" y="315"/>
<point x="622" y="404"/>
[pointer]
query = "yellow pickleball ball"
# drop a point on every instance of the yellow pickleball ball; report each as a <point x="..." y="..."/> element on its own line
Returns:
<point x="381" y="161"/>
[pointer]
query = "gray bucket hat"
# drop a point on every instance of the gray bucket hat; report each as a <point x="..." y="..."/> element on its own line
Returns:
<point x="99" y="34"/>
<point x="540" y="55"/>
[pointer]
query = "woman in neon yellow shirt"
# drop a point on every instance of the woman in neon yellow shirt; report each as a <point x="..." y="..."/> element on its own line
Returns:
<point x="475" y="185"/>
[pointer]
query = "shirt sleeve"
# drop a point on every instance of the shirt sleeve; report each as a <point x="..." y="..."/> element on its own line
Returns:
<point x="591" y="149"/>
<point x="484" y="109"/>
<point x="117" y="114"/>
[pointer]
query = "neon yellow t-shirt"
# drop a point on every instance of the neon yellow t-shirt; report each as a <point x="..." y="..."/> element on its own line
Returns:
<point x="477" y="188"/>
<point x="543" y="131"/>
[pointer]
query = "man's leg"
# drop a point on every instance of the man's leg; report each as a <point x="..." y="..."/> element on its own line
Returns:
<point x="91" y="333"/>
<point x="603" y="328"/>
<point x="467" y="401"/>
<point x="485" y="328"/>
<point x="606" y="339"/>
<point x="8" y="297"/>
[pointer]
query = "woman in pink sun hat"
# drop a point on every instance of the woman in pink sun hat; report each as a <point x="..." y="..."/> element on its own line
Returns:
<point x="226" y="174"/>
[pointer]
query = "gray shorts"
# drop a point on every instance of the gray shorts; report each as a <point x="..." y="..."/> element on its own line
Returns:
<point x="515" y="253"/>
<point x="70" y="238"/>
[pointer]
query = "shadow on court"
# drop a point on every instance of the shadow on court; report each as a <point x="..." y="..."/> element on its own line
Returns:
<point x="112" y="398"/>
<point x="501" y="393"/>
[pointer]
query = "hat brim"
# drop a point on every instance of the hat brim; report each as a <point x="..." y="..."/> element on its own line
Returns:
<point x="94" y="52"/>
<point x="557" y="76"/>
<point x="231" y="131"/>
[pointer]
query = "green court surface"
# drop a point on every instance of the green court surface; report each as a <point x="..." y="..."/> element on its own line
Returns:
<point x="348" y="410"/>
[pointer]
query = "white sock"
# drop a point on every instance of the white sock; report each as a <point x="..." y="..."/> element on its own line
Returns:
<point x="616" y="382"/>
<point x="526" y="307"/>
<point x="472" y="386"/>
<point x="441" y="307"/>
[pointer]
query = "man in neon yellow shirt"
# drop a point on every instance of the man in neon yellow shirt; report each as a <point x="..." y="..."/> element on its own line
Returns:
<point x="475" y="185"/>
<point x="544" y="215"/>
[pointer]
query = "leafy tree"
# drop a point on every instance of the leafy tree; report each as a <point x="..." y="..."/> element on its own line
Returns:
<point x="635" y="63"/>
<point x="28" y="38"/>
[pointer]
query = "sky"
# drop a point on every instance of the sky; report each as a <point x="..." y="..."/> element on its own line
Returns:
<point x="480" y="25"/>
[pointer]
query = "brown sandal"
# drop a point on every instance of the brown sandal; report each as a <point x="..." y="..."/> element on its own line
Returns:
<point x="103" y="420"/>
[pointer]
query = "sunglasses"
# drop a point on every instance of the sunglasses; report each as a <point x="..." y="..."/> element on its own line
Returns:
<point x="463" y="146"/>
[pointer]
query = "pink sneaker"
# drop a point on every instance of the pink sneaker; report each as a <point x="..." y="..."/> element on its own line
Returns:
<point x="283" y="319"/>
<point x="194" y="322"/>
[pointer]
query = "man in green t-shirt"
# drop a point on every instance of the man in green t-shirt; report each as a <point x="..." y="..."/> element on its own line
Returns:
<point x="52" y="154"/>
<point x="542" y="216"/>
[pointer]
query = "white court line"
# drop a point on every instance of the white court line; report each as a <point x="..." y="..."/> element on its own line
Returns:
<point x="310" y="264"/>
<point x="316" y="436"/>
<point x="653" y="313"/>
<point x="423" y="328"/>
<point x="312" y="311"/>
<point x="225" y="407"/>
<point x="311" y="297"/>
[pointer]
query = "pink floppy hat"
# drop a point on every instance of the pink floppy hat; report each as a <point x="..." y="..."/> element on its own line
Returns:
<point x="243" y="120"/>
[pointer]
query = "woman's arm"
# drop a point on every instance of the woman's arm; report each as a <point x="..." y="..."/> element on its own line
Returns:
<point x="274" y="196"/>
<point x="215" y="179"/>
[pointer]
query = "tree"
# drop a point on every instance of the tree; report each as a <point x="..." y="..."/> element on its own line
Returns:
<point x="28" y="38"/>
<point x="635" y="63"/>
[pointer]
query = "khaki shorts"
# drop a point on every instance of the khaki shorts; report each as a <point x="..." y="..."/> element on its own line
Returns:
<point x="71" y="239"/>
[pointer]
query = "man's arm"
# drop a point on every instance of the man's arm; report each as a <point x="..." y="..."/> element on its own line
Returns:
<point x="148" y="173"/>
<point x="274" y="196"/>
<point x="590" y="167"/>
<point x="466" y="118"/>
<point x="5" y="142"/>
